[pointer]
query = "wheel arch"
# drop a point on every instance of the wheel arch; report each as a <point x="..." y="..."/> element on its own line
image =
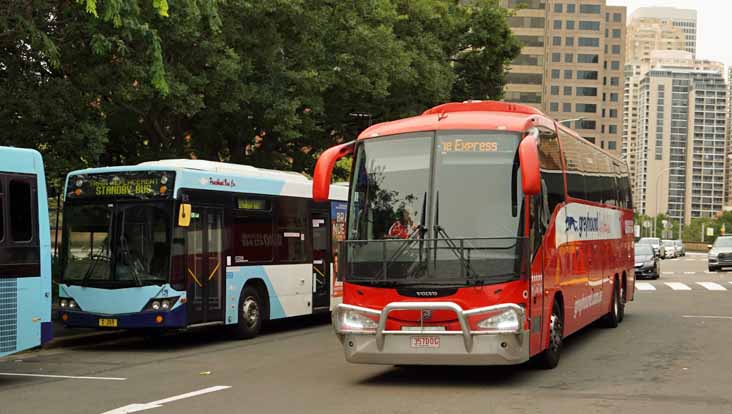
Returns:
<point x="261" y="287"/>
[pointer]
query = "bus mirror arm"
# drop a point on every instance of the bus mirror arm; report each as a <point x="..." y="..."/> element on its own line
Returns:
<point x="529" y="160"/>
<point x="324" y="169"/>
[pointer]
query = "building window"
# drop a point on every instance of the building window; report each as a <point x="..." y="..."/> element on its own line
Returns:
<point x="613" y="113"/>
<point x="588" y="42"/>
<point x="529" y="60"/>
<point x="614" y="81"/>
<point x="554" y="107"/>
<point x="569" y="41"/>
<point x="612" y="129"/>
<point x="584" y="58"/>
<point x="555" y="90"/>
<point x="613" y="97"/>
<point x="570" y="8"/>
<point x="531" y="41"/>
<point x="556" y="41"/>
<point x="616" y="49"/>
<point x="556" y="73"/>
<point x="586" y="108"/>
<point x="617" y="17"/>
<point x="586" y="124"/>
<point x="570" y="24"/>
<point x="567" y="91"/>
<point x="557" y="25"/>
<point x="615" y="65"/>
<point x="558" y="8"/>
<point x="566" y="107"/>
<point x="525" y="78"/>
<point x="587" y="74"/>
<point x="568" y="58"/>
<point x="588" y="25"/>
<point x="590" y="8"/>
<point x="586" y="91"/>
<point x="556" y="57"/>
<point x="567" y="74"/>
<point x="616" y="33"/>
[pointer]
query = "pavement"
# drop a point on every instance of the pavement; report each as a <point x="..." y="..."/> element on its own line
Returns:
<point x="670" y="355"/>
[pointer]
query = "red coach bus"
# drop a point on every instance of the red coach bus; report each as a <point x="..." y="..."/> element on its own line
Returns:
<point x="478" y="233"/>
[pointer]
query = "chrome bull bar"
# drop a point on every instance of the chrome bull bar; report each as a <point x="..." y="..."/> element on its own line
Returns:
<point x="462" y="316"/>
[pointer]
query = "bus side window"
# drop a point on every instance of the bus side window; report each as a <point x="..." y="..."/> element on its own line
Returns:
<point x="21" y="208"/>
<point x="2" y="210"/>
<point x="551" y="172"/>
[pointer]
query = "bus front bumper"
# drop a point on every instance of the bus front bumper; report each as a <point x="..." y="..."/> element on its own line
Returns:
<point x="432" y="347"/>
<point x="175" y="318"/>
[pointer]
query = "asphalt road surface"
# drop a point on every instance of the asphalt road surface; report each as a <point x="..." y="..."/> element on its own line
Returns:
<point x="670" y="355"/>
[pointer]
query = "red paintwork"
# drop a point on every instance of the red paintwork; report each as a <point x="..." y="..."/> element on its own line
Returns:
<point x="530" y="174"/>
<point x="568" y="272"/>
<point x="324" y="170"/>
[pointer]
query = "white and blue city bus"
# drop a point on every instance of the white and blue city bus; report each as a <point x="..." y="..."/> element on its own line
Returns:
<point x="180" y="243"/>
<point x="25" y="252"/>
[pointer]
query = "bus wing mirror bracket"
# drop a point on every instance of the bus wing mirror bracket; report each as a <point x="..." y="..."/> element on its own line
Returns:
<point x="529" y="160"/>
<point x="324" y="169"/>
<point x="184" y="215"/>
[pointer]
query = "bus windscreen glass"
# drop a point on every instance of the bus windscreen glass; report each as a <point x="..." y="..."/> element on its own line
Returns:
<point x="439" y="208"/>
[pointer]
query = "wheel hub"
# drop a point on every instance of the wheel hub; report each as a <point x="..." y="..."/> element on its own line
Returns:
<point x="250" y="311"/>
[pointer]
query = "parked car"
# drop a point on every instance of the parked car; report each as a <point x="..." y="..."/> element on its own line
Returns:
<point x="655" y="242"/>
<point x="720" y="254"/>
<point x="670" y="247"/>
<point x="680" y="248"/>
<point x="647" y="265"/>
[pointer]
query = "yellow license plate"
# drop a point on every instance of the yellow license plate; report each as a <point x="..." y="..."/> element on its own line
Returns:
<point x="108" y="323"/>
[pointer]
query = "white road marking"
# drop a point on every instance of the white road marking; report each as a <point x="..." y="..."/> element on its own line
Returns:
<point x="677" y="286"/>
<point x="644" y="286"/>
<point x="705" y="317"/>
<point x="667" y="273"/>
<point x="15" y="374"/>
<point x="133" y="408"/>
<point x="711" y="285"/>
<point x="689" y="273"/>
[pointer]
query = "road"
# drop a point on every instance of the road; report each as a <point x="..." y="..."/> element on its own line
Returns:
<point x="670" y="355"/>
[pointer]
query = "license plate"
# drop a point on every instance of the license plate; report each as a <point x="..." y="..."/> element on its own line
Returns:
<point x="108" y="323"/>
<point x="425" y="342"/>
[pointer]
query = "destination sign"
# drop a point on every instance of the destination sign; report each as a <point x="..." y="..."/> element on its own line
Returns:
<point x="129" y="184"/>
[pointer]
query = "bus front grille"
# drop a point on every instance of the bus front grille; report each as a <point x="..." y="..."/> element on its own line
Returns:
<point x="8" y="314"/>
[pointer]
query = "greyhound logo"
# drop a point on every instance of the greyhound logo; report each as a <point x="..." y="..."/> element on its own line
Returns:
<point x="571" y="223"/>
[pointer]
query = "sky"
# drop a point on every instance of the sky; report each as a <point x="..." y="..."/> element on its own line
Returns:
<point x="714" y="27"/>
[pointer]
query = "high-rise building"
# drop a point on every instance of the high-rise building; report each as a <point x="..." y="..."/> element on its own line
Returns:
<point x="571" y="65"/>
<point x="684" y="19"/>
<point x="728" y="187"/>
<point x="681" y="143"/>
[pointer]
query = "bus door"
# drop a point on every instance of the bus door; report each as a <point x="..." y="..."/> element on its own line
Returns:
<point x="321" y="260"/>
<point x="205" y="266"/>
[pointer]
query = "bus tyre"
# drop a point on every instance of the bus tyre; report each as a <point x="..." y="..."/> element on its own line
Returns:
<point x="612" y="319"/>
<point x="251" y="311"/>
<point x="621" y="303"/>
<point x="549" y="359"/>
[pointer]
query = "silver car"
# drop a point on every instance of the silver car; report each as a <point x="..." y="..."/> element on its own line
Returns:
<point x="670" y="247"/>
<point x="720" y="253"/>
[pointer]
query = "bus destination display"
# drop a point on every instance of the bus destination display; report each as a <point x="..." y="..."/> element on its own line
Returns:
<point x="131" y="184"/>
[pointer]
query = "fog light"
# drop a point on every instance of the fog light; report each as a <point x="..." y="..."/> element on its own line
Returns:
<point x="64" y="317"/>
<point x="159" y="319"/>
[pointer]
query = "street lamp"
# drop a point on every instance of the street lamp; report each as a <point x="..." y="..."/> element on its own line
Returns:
<point x="655" y="218"/>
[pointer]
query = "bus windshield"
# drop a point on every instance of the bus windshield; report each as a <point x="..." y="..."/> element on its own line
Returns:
<point x="436" y="208"/>
<point x="124" y="244"/>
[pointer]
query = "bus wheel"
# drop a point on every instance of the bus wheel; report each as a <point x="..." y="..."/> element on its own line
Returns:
<point x="612" y="319"/>
<point x="550" y="357"/>
<point x="621" y="302"/>
<point x="251" y="311"/>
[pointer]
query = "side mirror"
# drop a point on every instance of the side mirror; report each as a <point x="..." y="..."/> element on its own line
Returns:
<point x="324" y="169"/>
<point x="529" y="159"/>
<point x="709" y="246"/>
<point x="184" y="215"/>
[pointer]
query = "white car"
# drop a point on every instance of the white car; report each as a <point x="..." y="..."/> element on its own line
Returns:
<point x="670" y="248"/>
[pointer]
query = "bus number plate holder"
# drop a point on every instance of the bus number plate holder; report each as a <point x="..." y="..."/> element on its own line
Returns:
<point x="108" y="323"/>
<point x="424" y="342"/>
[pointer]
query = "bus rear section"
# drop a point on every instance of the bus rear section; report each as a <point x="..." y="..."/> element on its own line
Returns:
<point x="179" y="243"/>
<point x="25" y="252"/>
<point x="464" y="245"/>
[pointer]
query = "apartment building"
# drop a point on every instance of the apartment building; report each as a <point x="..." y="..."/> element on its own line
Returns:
<point x="681" y="143"/>
<point x="683" y="19"/>
<point x="572" y="64"/>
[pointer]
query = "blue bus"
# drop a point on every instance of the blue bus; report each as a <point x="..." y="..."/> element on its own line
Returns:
<point x="181" y="243"/>
<point x="25" y="252"/>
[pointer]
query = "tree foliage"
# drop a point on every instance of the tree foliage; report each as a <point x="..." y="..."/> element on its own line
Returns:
<point x="267" y="83"/>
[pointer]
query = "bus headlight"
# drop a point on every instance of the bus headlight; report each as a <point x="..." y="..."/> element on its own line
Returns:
<point x="165" y="304"/>
<point x="72" y="304"/>
<point x="155" y="305"/>
<point x="64" y="303"/>
<point x="68" y="303"/>
<point x="160" y="304"/>
<point x="353" y="321"/>
<point x="507" y="320"/>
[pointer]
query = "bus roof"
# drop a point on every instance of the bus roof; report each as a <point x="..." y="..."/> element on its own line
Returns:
<point x="21" y="160"/>
<point x="191" y="174"/>
<point x="490" y="115"/>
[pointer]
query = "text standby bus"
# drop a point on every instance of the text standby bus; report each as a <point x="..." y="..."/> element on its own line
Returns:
<point x="25" y="252"/>
<point x="176" y="243"/>
<point x="478" y="233"/>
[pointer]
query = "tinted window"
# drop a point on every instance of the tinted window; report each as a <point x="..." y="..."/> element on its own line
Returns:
<point x="551" y="171"/>
<point x="573" y="152"/>
<point x="254" y="239"/>
<point x="292" y="229"/>
<point x="21" y="207"/>
<point x="2" y="212"/>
